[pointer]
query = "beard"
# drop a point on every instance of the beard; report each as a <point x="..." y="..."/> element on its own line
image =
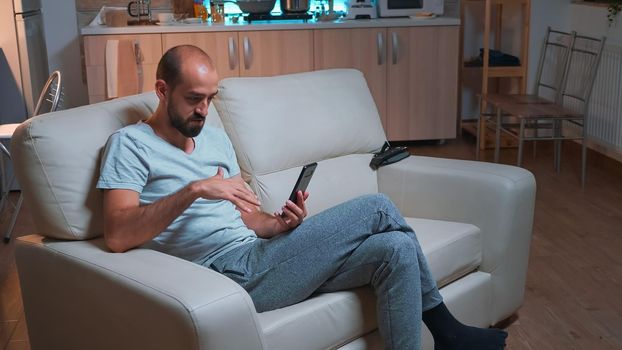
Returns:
<point x="187" y="127"/>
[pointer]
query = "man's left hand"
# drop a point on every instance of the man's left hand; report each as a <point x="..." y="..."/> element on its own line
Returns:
<point x="292" y="214"/>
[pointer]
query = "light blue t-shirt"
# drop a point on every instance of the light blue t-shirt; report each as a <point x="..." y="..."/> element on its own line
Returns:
<point x="137" y="159"/>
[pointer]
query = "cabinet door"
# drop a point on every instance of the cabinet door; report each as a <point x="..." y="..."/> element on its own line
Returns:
<point x="275" y="52"/>
<point x="363" y="49"/>
<point x="423" y="82"/>
<point x="221" y="46"/>
<point x="95" y="55"/>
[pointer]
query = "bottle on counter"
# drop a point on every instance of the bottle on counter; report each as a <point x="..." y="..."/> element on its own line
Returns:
<point x="199" y="10"/>
<point x="221" y="11"/>
<point x="217" y="11"/>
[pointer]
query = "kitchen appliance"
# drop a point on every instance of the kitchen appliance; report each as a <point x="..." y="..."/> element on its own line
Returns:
<point x="295" y="6"/>
<point x="252" y="17"/>
<point x="23" y="62"/>
<point x="405" y="8"/>
<point x="256" y="6"/>
<point x="361" y="9"/>
<point x="23" y="58"/>
<point x="140" y="9"/>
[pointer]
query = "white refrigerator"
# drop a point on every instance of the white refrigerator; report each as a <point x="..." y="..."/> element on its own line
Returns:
<point x="23" y="58"/>
<point x="23" y="64"/>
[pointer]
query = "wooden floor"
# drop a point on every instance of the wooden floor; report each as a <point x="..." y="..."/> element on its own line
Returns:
<point x="573" y="298"/>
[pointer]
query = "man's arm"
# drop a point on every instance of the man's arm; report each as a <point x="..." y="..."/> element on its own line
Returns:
<point x="128" y="225"/>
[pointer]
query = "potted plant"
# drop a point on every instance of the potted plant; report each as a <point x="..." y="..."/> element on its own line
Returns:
<point x="613" y="9"/>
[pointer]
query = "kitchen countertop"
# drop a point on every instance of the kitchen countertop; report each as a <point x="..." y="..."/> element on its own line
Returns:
<point x="271" y="25"/>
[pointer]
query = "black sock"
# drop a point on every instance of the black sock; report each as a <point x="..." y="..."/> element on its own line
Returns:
<point x="450" y="334"/>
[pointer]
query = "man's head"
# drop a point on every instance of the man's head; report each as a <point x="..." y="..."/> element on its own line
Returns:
<point x="186" y="83"/>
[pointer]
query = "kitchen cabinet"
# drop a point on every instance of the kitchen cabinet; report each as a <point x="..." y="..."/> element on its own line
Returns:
<point x="422" y="93"/>
<point x="221" y="46"/>
<point x="252" y="53"/>
<point x="275" y="52"/>
<point x="363" y="49"/>
<point x="412" y="73"/>
<point x="149" y="47"/>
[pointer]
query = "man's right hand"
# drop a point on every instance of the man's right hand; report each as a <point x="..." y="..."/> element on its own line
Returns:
<point x="231" y="189"/>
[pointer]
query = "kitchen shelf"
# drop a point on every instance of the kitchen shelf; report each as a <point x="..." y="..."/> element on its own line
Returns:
<point x="500" y="71"/>
<point x="496" y="72"/>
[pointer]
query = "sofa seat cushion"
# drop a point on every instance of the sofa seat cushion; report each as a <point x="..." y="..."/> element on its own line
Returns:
<point x="327" y="321"/>
<point x="452" y="249"/>
<point x="324" y="321"/>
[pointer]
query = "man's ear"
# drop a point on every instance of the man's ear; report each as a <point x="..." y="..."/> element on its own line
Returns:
<point x="161" y="89"/>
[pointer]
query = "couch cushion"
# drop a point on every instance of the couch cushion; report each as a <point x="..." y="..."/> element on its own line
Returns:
<point x="328" y="187"/>
<point x="327" y="117"/>
<point x="328" y="320"/>
<point x="452" y="249"/>
<point x="56" y="158"/>
<point x="318" y="115"/>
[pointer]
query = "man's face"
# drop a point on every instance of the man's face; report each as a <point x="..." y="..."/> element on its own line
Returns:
<point x="188" y="101"/>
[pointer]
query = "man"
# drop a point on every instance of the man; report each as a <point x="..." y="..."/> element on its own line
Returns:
<point x="173" y="185"/>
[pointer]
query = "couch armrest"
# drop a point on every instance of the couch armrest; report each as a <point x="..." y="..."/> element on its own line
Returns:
<point x="499" y="199"/>
<point x="77" y="295"/>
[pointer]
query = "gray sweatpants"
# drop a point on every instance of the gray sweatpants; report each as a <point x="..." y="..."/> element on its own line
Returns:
<point x="364" y="241"/>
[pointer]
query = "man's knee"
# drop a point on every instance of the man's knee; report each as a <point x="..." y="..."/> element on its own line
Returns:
<point x="399" y="248"/>
<point x="377" y="201"/>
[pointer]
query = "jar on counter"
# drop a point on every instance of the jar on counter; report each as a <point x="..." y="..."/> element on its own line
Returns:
<point x="216" y="13"/>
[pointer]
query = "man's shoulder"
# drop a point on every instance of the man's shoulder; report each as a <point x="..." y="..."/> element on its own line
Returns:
<point x="135" y="132"/>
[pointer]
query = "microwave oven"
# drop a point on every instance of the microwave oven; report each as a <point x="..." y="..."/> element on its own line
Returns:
<point x="405" y="8"/>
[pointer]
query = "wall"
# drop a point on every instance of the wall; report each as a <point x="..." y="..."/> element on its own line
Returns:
<point x="87" y="9"/>
<point x="12" y="110"/>
<point x="63" y="45"/>
<point x="592" y="20"/>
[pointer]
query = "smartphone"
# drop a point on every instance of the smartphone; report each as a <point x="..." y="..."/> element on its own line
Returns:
<point x="303" y="180"/>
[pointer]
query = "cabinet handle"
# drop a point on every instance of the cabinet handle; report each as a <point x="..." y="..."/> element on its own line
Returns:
<point x="394" y="48"/>
<point x="381" y="50"/>
<point x="233" y="56"/>
<point x="247" y="53"/>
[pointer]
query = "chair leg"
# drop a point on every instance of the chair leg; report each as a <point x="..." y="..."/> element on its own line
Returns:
<point x="498" y="135"/>
<point x="583" y="161"/>
<point x="534" y="142"/>
<point x="9" y="231"/>
<point x="521" y="135"/>
<point x="477" y="131"/>
<point x="533" y="153"/>
<point x="558" y="147"/>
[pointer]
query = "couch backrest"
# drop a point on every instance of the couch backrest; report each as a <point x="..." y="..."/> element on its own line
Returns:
<point x="326" y="116"/>
<point x="56" y="158"/>
<point x="278" y="124"/>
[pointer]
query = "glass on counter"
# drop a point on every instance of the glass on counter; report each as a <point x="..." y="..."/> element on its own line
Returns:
<point x="200" y="11"/>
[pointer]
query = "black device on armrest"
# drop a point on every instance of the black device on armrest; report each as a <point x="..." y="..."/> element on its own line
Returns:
<point x="388" y="155"/>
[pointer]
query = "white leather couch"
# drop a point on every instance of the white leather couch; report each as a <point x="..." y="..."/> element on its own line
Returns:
<point x="473" y="220"/>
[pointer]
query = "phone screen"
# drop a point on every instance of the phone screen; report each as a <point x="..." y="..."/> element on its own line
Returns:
<point x="303" y="180"/>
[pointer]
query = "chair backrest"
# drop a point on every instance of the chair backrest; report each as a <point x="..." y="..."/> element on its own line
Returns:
<point x="51" y="96"/>
<point x="551" y="66"/>
<point x="580" y="73"/>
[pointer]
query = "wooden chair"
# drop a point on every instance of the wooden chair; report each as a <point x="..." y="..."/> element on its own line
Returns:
<point x="549" y="78"/>
<point x="560" y="120"/>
